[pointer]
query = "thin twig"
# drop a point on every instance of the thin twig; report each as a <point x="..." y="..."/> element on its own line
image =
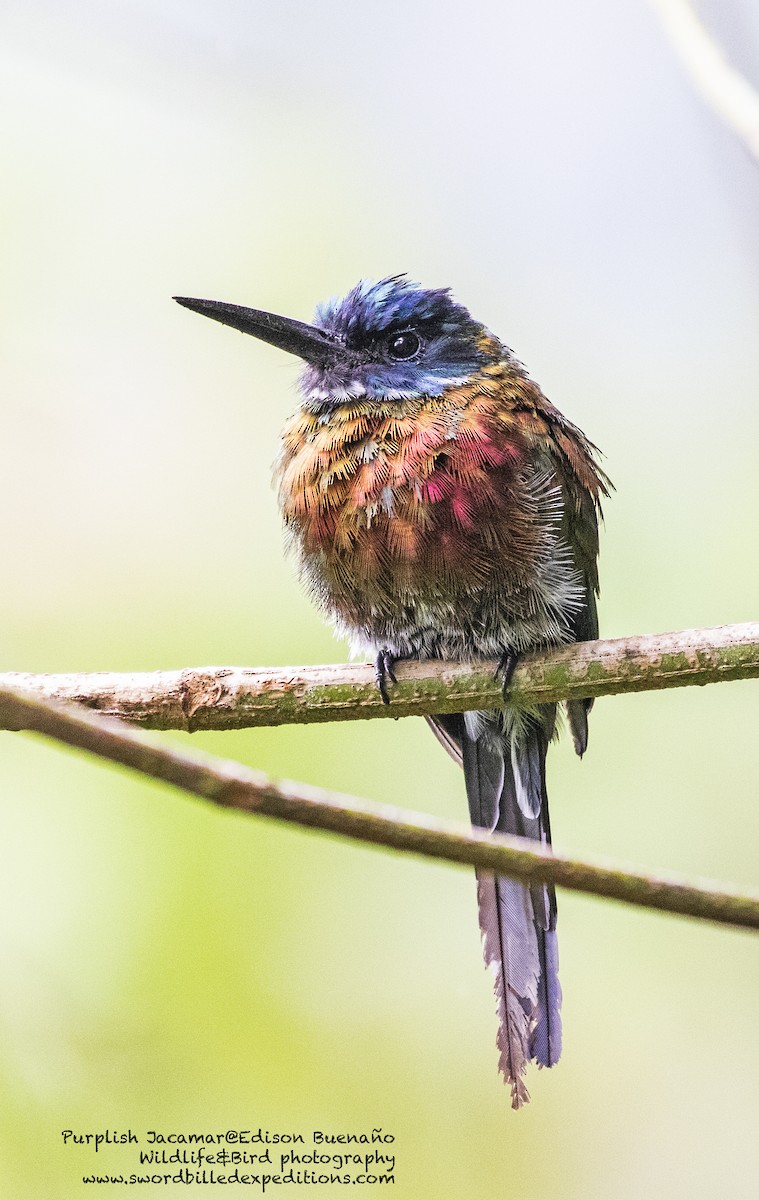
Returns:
<point x="232" y="786"/>
<point x="728" y="93"/>
<point x="241" y="697"/>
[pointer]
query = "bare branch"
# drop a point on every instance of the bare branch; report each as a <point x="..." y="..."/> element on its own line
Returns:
<point x="232" y="786"/>
<point x="727" y="92"/>
<point x="241" y="697"/>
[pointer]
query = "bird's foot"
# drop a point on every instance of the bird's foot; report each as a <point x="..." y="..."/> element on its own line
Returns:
<point x="505" y="669"/>
<point x="383" y="670"/>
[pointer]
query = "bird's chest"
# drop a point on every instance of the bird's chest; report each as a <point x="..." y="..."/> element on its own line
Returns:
<point x="405" y="503"/>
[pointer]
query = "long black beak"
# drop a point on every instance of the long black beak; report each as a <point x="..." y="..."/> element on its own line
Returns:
<point x="306" y="341"/>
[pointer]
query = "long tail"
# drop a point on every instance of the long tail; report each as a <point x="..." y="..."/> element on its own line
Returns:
<point x="506" y="792"/>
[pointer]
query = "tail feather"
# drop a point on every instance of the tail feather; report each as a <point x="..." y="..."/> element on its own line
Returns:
<point x="506" y="792"/>
<point x="545" y="1043"/>
<point x="511" y="951"/>
<point x="528" y="769"/>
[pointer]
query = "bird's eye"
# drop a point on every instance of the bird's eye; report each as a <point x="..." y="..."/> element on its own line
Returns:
<point x="401" y="346"/>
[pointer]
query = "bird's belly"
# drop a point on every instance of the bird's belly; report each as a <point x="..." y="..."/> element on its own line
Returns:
<point x="429" y="589"/>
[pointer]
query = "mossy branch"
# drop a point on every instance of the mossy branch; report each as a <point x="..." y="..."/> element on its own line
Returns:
<point x="242" y="697"/>
<point x="235" y="787"/>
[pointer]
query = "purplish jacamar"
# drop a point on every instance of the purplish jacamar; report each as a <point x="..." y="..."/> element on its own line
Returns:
<point x="441" y="507"/>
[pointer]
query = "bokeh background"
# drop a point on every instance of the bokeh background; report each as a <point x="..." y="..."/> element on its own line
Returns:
<point x="167" y="966"/>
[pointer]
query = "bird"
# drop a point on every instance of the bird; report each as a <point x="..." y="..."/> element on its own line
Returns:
<point x="440" y="507"/>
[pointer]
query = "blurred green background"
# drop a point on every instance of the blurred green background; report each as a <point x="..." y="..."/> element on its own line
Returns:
<point x="163" y="965"/>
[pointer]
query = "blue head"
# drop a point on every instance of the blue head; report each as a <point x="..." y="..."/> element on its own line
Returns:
<point x="392" y="339"/>
<point x="397" y="339"/>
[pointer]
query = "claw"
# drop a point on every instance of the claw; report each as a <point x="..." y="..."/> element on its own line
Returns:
<point x="505" y="669"/>
<point x="383" y="670"/>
